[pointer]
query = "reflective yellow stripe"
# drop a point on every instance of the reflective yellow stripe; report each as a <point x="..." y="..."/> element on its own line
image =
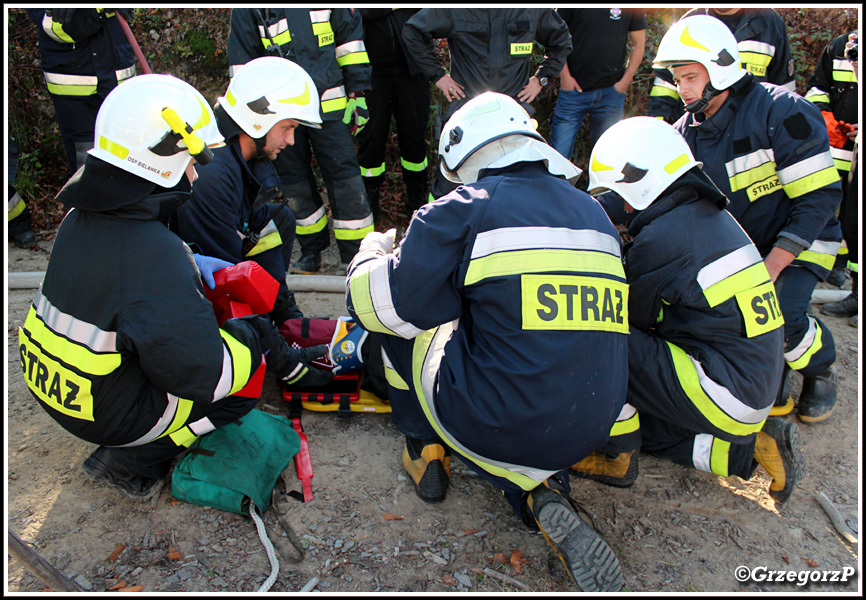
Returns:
<point x="352" y="234"/>
<point x="183" y="437"/>
<point x="362" y="302"/>
<point x="719" y="457"/>
<point x="374" y="172"/>
<point x="818" y="258"/>
<point x="517" y="49"/>
<point x="844" y="76"/>
<point x="571" y="302"/>
<point x="181" y="414"/>
<point x="71" y="90"/>
<point x="394" y="380"/>
<point x="272" y="240"/>
<point x="114" y="148"/>
<point x="321" y="28"/>
<point x="59" y="33"/>
<point x="658" y="90"/>
<point x="739" y="282"/>
<point x="810" y="183"/>
<point x="241" y="361"/>
<point x="314" y="228"/>
<point x="503" y="264"/>
<point x="279" y="39"/>
<point x="746" y="178"/>
<point x="17" y="209"/>
<point x="410" y="166"/>
<point x="818" y="97"/>
<point x="355" y="58"/>
<point x="77" y="355"/>
<point x="855" y="267"/>
<point x="691" y="385"/>
<point x="753" y="58"/>
<point x="333" y="105"/>
<point x="810" y="351"/>
<point x="760" y="309"/>
<point x="630" y="425"/>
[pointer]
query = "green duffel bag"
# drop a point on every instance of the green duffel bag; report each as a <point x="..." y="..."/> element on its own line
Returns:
<point x="236" y="463"/>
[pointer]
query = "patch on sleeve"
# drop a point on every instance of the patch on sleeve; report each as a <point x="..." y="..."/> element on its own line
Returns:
<point x="742" y="146"/>
<point x="798" y="127"/>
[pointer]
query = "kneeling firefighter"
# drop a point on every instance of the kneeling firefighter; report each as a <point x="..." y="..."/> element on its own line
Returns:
<point x="502" y="318"/>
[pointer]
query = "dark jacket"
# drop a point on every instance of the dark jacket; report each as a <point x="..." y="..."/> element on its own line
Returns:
<point x="491" y="48"/>
<point x="328" y="43"/>
<point x="88" y="55"/>
<point x="120" y="328"/>
<point x="383" y="37"/>
<point x="767" y="150"/>
<point x="707" y="291"/>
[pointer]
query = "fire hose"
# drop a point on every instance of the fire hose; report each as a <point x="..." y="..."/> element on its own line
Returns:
<point x="135" y="47"/>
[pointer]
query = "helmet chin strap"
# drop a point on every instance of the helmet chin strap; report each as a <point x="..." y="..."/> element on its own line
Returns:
<point x="260" y="146"/>
<point x="700" y="105"/>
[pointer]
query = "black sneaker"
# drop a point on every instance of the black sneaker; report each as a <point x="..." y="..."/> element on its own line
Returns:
<point x="308" y="264"/>
<point x="25" y="239"/>
<point x="836" y="277"/>
<point x="590" y="562"/>
<point x="844" y="308"/>
<point x="104" y="468"/>
<point x="429" y="466"/>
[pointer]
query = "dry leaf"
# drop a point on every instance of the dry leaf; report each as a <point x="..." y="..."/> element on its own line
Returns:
<point x="500" y="558"/>
<point x="175" y="556"/>
<point x="785" y="558"/>
<point x="173" y="502"/>
<point x="135" y="588"/>
<point x="449" y="580"/>
<point x="113" y="556"/>
<point x="517" y="562"/>
<point x="469" y="530"/>
<point x="390" y="517"/>
<point x="117" y="586"/>
<point x="810" y="562"/>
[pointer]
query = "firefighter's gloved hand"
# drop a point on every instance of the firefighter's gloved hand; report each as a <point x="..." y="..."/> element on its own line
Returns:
<point x="380" y="243"/>
<point x="305" y="374"/>
<point x="207" y="266"/>
<point x="127" y="13"/>
<point x="356" y="114"/>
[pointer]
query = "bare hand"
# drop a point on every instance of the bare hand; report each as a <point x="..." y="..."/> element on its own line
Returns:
<point x="621" y="86"/>
<point x="568" y="83"/>
<point x="450" y="88"/>
<point x="530" y="90"/>
<point x="852" y="133"/>
<point x="776" y="262"/>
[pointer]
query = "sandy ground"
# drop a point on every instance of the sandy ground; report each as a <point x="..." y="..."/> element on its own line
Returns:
<point x="675" y="530"/>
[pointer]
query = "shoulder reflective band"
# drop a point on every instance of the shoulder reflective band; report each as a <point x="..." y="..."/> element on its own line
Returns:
<point x="568" y="302"/>
<point x="525" y="48"/>
<point x="760" y="309"/>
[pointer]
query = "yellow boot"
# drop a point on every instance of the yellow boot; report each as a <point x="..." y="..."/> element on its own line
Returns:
<point x="617" y="471"/>
<point x="429" y="466"/>
<point x="777" y="449"/>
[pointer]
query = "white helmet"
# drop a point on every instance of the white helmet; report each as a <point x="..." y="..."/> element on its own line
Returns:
<point x="706" y="40"/>
<point x="152" y="126"/>
<point x="267" y="90"/>
<point x="491" y="131"/>
<point x="638" y="158"/>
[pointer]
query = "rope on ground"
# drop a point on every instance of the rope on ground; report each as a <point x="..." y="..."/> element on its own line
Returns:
<point x="269" y="548"/>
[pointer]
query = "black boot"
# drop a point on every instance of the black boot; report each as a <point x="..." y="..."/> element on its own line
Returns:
<point x="103" y="466"/>
<point x="818" y="397"/>
<point x="846" y="307"/>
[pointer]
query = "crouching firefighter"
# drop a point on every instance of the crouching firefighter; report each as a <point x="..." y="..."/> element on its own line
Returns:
<point x="120" y="345"/>
<point x="705" y="350"/>
<point x="503" y="319"/>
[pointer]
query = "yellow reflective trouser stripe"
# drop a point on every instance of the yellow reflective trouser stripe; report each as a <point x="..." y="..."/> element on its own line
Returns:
<point x="314" y="228"/>
<point x="630" y="425"/>
<point x="691" y="385"/>
<point x="807" y="355"/>
<point x="183" y="437"/>
<point x="542" y="260"/>
<point x="17" y="208"/>
<point x="335" y="104"/>
<point x="362" y="300"/>
<point x="658" y="90"/>
<point x="419" y="354"/>
<point x="719" y="457"/>
<point x="410" y="166"/>
<point x="181" y="415"/>
<point x="373" y="172"/>
<point x="71" y="353"/>
<point x="354" y="58"/>
<point x="71" y="90"/>
<point x="817" y="258"/>
<point x="352" y="234"/>
<point x="739" y="282"/>
<point x="394" y="380"/>
<point x="746" y="178"/>
<point x="272" y="240"/>
<point x="241" y="361"/>
<point x="812" y="182"/>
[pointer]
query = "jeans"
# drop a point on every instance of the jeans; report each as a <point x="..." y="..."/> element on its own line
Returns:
<point x="604" y="106"/>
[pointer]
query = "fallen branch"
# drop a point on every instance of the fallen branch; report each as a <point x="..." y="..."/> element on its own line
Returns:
<point x="40" y="567"/>
<point x="836" y="517"/>
<point x="505" y="578"/>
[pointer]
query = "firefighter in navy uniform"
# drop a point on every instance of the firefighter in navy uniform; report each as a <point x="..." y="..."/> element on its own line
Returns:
<point x="762" y="39"/>
<point x="17" y="213"/>
<point x="399" y="89"/>
<point x="329" y="45"/>
<point x="491" y="50"/>
<point x="767" y="150"/>
<point x="226" y="216"/>
<point x="503" y="324"/>
<point x="84" y="55"/>
<point x="833" y="88"/>
<point x="706" y="333"/>
<point x="120" y="346"/>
